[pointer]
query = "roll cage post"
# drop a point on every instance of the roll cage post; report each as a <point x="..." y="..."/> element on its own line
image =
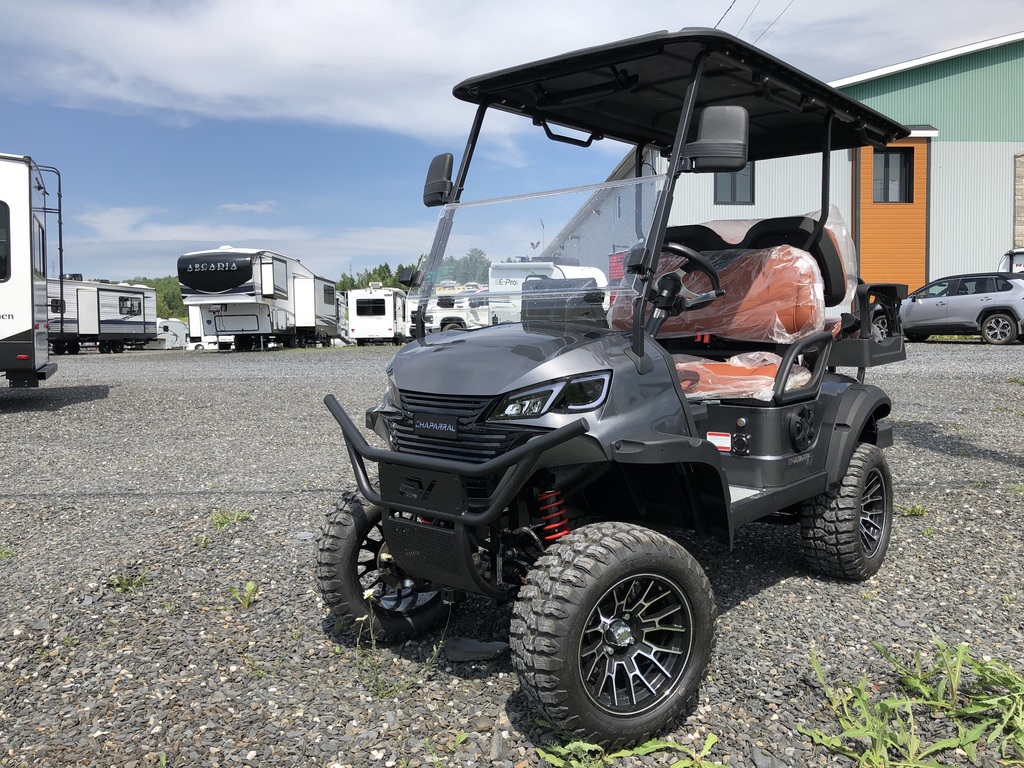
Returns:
<point x="664" y="205"/>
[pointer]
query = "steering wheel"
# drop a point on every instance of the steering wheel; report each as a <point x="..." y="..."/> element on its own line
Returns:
<point x="695" y="262"/>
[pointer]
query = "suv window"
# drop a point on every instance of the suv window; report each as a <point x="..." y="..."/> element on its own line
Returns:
<point x="1003" y="284"/>
<point x="935" y="290"/>
<point x="972" y="285"/>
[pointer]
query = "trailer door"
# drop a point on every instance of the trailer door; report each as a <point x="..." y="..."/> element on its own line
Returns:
<point x="88" y="311"/>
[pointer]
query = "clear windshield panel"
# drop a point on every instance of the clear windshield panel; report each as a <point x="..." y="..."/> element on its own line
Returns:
<point x="554" y="257"/>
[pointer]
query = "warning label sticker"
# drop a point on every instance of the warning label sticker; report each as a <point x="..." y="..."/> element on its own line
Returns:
<point x="721" y="440"/>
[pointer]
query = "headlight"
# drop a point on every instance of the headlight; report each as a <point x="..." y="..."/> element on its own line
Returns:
<point x="581" y="393"/>
<point x="392" y="391"/>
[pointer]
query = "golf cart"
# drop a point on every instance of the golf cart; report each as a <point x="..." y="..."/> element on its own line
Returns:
<point x="640" y="376"/>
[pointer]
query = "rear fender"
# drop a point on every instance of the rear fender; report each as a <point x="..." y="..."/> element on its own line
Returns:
<point x="861" y="409"/>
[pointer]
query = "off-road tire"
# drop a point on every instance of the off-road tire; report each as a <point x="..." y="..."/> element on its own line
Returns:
<point x="349" y="549"/>
<point x="593" y="604"/>
<point x="845" y="531"/>
<point x="999" y="328"/>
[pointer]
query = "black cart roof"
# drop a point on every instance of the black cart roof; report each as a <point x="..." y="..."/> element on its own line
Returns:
<point x="634" y="90"/>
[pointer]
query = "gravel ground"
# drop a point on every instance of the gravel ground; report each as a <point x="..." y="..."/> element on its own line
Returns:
<point x="117" y="469"/>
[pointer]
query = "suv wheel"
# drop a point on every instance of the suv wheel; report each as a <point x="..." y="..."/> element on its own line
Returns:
<point x="999" y="328"/>
<point x="845" y="531"/>
<point x="880" y="324"/>
<point x="612" y="632"/>
<point x="358" y="579"/>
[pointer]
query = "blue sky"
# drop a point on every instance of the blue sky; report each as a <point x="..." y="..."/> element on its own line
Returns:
<point x="306" y="126"/>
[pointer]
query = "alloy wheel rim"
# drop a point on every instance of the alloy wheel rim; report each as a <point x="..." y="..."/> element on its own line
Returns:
<point x="872" y="512"/>
<point x="636" y="644"/>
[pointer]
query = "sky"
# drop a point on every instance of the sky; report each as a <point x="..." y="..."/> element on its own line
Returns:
<point x="306" y="126"/>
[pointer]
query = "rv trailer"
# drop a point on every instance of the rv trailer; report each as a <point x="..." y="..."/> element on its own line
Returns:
<point x="110" y="316"/>
<point x="24" y="209"/>
<point x="255" y="297"/>
<point x="377" y="315"/>
<point x="171" y="333"/>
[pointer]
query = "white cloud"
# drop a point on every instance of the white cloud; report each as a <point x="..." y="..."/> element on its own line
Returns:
<point x="391" y="64"/>
<point x="264" y="206"/>
<point x="129" y="242"/>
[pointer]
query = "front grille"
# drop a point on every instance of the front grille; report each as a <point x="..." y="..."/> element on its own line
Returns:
<point x="478" y="441"/>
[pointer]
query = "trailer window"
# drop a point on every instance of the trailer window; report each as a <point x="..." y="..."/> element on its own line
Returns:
<point x="5" y="247"/>
<point x="367" y="307"/>
<point x="130" y="305"/>
<point x="328" y="294"/>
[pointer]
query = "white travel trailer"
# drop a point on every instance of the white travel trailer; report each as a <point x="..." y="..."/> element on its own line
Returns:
<point x="111" y="316"/>
<point x="256" y="297"/>
<point x="377" y="315"/>
<point x="24" y="347"/>
<point x="171" y="333"/>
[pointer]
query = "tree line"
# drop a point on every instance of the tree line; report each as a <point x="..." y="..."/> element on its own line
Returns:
<point x="473" y="267"/>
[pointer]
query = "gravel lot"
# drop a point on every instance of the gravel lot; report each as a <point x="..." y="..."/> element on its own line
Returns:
<point x="118" y="468"/>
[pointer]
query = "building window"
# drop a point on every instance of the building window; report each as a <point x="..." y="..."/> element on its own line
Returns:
<point x="893" y="176"/>
<point x="735" y="188"/>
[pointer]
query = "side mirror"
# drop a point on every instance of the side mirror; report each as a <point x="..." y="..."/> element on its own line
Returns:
<point x="721" y="144"/>
<point x="438" y="187"/>
<point x="410" y="277"/>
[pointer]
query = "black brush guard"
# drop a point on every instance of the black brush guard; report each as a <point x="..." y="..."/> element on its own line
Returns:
<point x="433" y="488"/>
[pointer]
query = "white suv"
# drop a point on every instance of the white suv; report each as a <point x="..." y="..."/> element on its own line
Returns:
<point x="990" y="304"/>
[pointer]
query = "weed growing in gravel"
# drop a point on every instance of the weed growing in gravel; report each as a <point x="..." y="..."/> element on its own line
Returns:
<point x="1015" y="380"/>
<point x="130" y="581"/>
<point x="6" y="553"/>
<point x="928" y="532"/>
<point x="915" y="510"/>
<point x="202" y="541"/>
<point x="981" y="485"/>
<point x="1015" y="488"/>
<point x="982" y="700"/>
<point x="222" y="518"/>
<point x="581" y="754"/>
<point x="370" y="669"/>
<point x="245" y="596"/>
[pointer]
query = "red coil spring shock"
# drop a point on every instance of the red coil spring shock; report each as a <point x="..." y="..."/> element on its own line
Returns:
<point x="554" y="520"/>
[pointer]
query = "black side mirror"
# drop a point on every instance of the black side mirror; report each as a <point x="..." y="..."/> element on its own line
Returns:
<point x="721" y="144"/>
<point x="410" y="277"/>
<point x="438" y="187"/>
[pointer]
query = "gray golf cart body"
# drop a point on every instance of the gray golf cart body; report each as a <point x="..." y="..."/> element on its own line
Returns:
<point x="569" y="409"/>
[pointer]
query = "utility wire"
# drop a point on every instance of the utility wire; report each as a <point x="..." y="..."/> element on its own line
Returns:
<point x="773" y="22"/>
<point x="726" y="12"/>
<point x="742" y="26"/>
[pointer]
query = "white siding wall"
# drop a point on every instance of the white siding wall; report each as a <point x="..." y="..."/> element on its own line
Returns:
<point x="784" y="187"/>
<point x="971" y="216"/>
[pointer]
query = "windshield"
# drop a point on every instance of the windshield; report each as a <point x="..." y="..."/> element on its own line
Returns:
<point x="552" y="258"/>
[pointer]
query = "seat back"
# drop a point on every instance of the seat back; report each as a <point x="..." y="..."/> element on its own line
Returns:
<point x="772" y="295"/>
<point x="799" y="231"/>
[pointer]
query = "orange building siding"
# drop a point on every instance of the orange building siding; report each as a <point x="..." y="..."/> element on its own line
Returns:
<point x="893" y="237"/>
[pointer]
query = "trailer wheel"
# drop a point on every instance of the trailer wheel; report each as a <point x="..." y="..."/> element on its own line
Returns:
<point x="360" y="582"/>
<point x="845" y="531"/>
<point x="612" y="633"/>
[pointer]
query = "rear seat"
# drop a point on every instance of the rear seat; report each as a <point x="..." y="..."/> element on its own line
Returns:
<point x="773" y="298"/>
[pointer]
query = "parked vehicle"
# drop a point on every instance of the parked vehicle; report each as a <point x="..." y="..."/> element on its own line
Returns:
<point x="171" y="333"/>
<point x="24" y="261"/>
<point x="681" y="383"/>
<point x="256" y="297"/>
<point x="377" y="315"/>
<point x="1012" y="261"/>
<point x="112" y="317"/>
<point x="988" y="304"/>
<point x="202" y="337"/>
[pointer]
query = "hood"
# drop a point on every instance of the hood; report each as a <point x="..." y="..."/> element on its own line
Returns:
<point x="502" y="358"/>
